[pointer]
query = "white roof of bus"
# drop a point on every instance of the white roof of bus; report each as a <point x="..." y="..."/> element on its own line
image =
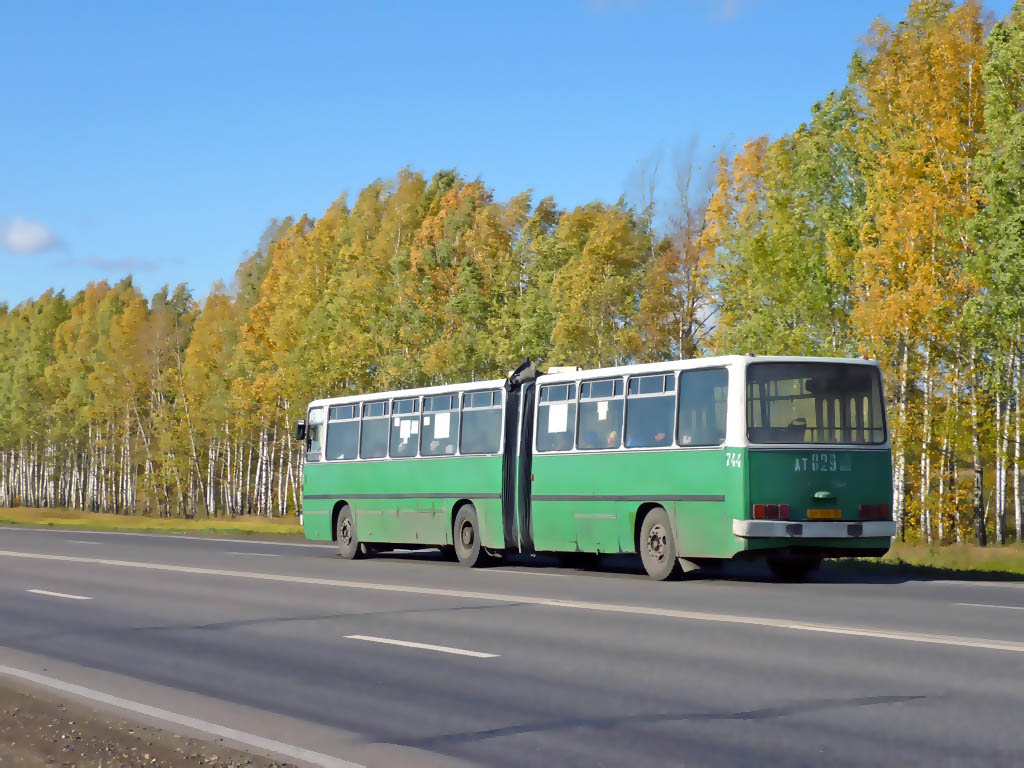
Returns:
<point x="696" y="362"/>
<point x="593" y="373"/>
<point x="400" y="393"/>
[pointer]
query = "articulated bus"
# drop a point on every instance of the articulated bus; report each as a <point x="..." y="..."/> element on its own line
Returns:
<point x="686" y="463"/>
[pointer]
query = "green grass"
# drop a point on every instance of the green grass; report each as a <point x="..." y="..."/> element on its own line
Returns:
<point x="245" y="525"/>
<point x="964" y="561"/>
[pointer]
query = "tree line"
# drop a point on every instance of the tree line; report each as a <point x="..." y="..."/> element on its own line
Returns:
<point x="890" y="225"/>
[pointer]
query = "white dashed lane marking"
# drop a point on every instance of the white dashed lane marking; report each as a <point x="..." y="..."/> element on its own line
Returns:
<point x="987" y="605"/>
<point x="424" y="646"/>
<point x="255" y="554"/>
<point x="57" y="594"/>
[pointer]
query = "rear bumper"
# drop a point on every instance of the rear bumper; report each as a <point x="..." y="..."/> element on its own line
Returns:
<point x="815" y="529"/>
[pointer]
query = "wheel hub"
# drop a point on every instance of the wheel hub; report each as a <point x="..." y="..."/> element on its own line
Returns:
<point x="345" y="531"/>
<point x="466" y="534"/>
<point x="657" y="542"/>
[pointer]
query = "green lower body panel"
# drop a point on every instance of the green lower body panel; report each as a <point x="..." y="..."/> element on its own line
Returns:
<point x="404" y="501"/>
<point x="590" y="502"/>
<point x="593" y="502"/>
<point x="317" y="525"/>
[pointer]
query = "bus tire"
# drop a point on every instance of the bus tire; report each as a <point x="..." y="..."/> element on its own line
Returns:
<point x="345" y="532"/>
<point x="793" y="567"/>
<point x="466" y="535"/>
<point x="658" y="546"/>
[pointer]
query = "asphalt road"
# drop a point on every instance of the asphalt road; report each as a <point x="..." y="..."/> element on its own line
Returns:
<point x="409" y="660"/>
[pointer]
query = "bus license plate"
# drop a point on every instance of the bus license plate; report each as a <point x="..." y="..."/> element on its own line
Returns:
<point x="824" y="514"/>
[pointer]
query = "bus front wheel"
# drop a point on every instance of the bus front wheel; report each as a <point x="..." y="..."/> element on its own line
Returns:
<point x="345" y="530"/>
<point x="466" y="534"/>
<point x="658" y="546"/>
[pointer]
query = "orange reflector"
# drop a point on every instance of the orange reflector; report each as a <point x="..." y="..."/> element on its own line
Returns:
<point x="824" y="514"/>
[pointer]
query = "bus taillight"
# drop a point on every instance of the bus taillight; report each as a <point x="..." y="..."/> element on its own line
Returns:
<point x="771" y="511"/>
<point x="875" y="512"/>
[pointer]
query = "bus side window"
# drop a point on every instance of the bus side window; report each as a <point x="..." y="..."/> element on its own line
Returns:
<point x="702" y="407"/>
<point x="650" y="411"/>
<point x="481" y="422"/>
<point x="373" y="440"/>
<point x="600" y="415"/>
<point x="440" y="425"/>
<point x="342" y="432"/>
<point x="314" y="433"/>
<point x="556" y="417"/>
<point x="405" y="427"/>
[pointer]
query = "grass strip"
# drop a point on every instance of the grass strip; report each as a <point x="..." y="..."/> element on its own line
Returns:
<point x="73" y="519"/>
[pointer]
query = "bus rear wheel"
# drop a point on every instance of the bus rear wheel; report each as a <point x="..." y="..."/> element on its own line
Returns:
<point x="658" y="546"/>
<point x="466" y="535"/>
<point x="345" y="532"/>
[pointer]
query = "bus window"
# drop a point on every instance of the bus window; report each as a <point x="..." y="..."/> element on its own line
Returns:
<point x="405" y="427"/>
<point x="836" y="403"/>
<point x="556" y="417"/>
<point x="650" y="411"/>
<point x="600" y="415"/>
<point x="342" y="432"/>
<point x="314" y="433"/>
<point x="702" y="401"/>
<point x="373" y="442"/>
<point x="481" y="422"/>
<point x="440" y="425"/>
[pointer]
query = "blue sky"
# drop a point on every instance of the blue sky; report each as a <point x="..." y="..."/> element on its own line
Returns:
<point x="160" y="138"/>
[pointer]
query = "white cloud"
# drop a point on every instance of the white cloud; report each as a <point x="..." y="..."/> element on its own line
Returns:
<point x="23" y="236"/>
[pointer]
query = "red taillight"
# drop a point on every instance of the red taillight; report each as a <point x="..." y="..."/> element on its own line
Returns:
<point x="875" y="512"/>
<point x="771" y="511"/>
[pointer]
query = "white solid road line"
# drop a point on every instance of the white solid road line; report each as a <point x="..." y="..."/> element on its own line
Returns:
<point x="424" y="646"/>
<point x="249" y="739"/>
<point x="205" y="539"/>
<point x="57" y="594"/>
<point x="989" y="605"/>
<point x="636" y="610"/>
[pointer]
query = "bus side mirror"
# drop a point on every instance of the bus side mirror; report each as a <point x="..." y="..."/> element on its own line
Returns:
<point x="300" y="429"/>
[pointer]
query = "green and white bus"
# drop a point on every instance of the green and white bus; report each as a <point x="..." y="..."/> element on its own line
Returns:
<point x="686" y="463"/>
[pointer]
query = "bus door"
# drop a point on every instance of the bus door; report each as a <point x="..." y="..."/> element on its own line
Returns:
<point x="509" y="466"/>
<point x="516" y="459"/>
<point x="525" y="479"/>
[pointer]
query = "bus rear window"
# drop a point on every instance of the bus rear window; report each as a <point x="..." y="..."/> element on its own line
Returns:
<point x="817" y="403"/>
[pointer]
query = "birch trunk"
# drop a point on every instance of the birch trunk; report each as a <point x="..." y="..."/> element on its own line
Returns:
<point x="978" y="502"/>
<point x="900" y="457"/>
<point x="926" y="439"/>
<point x="1017" y="501"/>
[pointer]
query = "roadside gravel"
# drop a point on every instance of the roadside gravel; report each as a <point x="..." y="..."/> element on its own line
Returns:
<point x="42" y="729"/>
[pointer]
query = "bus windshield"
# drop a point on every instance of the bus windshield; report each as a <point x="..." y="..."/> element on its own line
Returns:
<point x="818" y="403"/>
